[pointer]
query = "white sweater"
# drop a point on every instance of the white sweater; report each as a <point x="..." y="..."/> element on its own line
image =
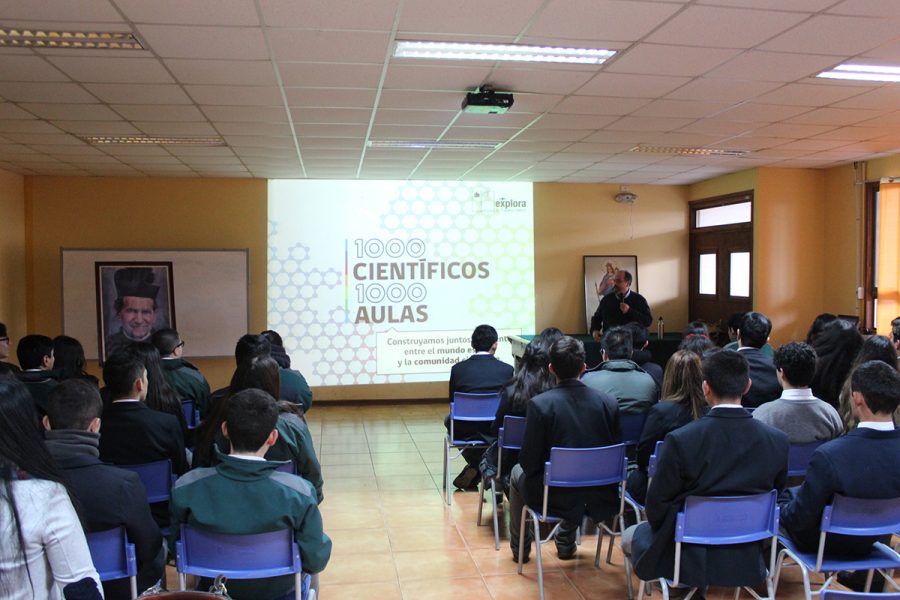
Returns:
<point x="55" y="547"/>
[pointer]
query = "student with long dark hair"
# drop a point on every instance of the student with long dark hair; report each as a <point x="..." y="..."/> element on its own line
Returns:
<point x="69" y="361"/>
<point x="160" y="393"/>
<point x="836" y="346"/>
<point x="877" y="347"/>
<point x="43" y="550"/>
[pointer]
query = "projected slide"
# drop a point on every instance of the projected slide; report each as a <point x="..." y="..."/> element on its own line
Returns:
<point x="384" y="281"/>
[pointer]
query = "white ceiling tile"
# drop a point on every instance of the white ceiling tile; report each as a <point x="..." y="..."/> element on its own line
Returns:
<point x="84" y="10"/>
<point x="600" y="148"/>
<point x="631" y="86"/>
<point x="240" y="114"/>
<point x="648" y="124"/>
<point x="597" y="105"/>
<point x="836" y="116"/>
<point x="717" y="126"/>
<point x="331" y="115"/>
<point x="77" y="112"/>
<point x="53" y="93"/>
<point x="884" y="98"/>
<point x="200" y="151"/>
<point x="8" y="110"/>
<point x="750" y="142"/>
<point x="235" y="95"/>
<point x="510" y="119"/>
<point x="774" y="66"/>
<point x="540" y="81"/>
<point x="50" y="139"/>
<point x="600" y="19"/>
<point x="331" y="98"/>
<point x="794" y="5"/>
<point x="330" y="14"/>
<point x="138" y="94"/>
<point x="329" y="46"/>
<point x="276" y="129"/>
<point x="421" y="100"/>
<point x="406" y="76"/>
<point x="761" y="113"/>
<point x="259" y="141"/>
<point x="330" y="75"/>
<point x="550" y="135"/>
<point x="324" y="142"/>
<point x="190" y="12"/>
<point x="534" y="103"/>
<point x="113" y="70"/>
<point x="887" y="53"/>
<point x="681" y="138"/>
<point x="29" y="68"/>
<point x="175" y="129"/>
<point x="330" y="130"/>
<point x="680" y="108"/>
<point x="802" y="94"/>
<point x="660" y="59"/>
<point x="98" y="127"/>
<point x="28" y="126"/>
<point x="825" y="34"/>
<point x="499" y="134"/>
<point x="813" y="145"/>
<point x="723" y="27"/>
<point x="588" y="122"/>
<point x="159" y="112"/>
<point x="222" y="72"/>
<point x="608" y="136"/>
<point x="791" y="130"/>
<point x="722" y="90"/>
<point x="230" y="43"/>
<point x="441" y="118"/>
<point x="866" y="8"/>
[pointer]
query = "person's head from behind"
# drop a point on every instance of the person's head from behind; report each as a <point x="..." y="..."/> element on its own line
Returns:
<point x="795" y="364"/>
<point x="125" y="375"/>
<point x="683" y="381"/>
<point x="74" y="404"/>
<point x="616" y="344"/>
<point x="895" y="334"/>
<point x="21" y="442"/>
<point x="548" y="337"/>
<point x="68" y="356"/>
<point x="726" y="376"/>
<point x="250" y="346"/>
<point x="639" y="337"/>
<point x="876" y="391"/>
<point x="4" y="342"/>
<point x="734" y="323"/>
<point x="35" y="352"/>
<point x="168" y="343"/>
<point x="818" y="325"/>
<point x="877" y="347"/>
<point x="484" y="339"/>
<point x="250" y="420"/>
<point x="567" y="358"/>
<point x="259" y="373"/>
<point x="697" y="344"/>
<point x="838" y="338"/>
<point x="622" y="281"/>
<point x="754" y="330"/>
<point x="273" y="336"/>
<point x="696" y="328"/>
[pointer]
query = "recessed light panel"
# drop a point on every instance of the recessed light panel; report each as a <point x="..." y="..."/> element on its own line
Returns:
<point x="688" y="151"/>
<point x="11" y="37"/>
<point x="863" y="73"/>
<point x="433" y="144"/>
<point x="501" y="52"/>
<point x="145" y="140"/>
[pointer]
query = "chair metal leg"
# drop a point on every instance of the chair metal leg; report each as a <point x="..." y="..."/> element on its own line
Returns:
<point x="132" y="582"/>
<point x="480" y="500"/>
<point x="629" y="585"/>
<point x="869" y="577"/>
<point x="496" y="521"/>
<point x="182" y="582"/>
<point x="522" y="539"/>
<point x="599" y="546"/>
<point x="538" y="547"/>
<point x="737" y="592"/>
<point x="447" y="471"/>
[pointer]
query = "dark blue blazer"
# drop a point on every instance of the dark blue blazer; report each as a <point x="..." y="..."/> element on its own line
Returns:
<point x="765" y="386"/>
<point x="725" y="453"/>
<point x="862" y="464"/>
<point x="480" y="373"/>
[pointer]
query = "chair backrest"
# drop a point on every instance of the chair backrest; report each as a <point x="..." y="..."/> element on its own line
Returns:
<point x="157" y="478"/>
<point x="512" y="433"/>
<point x="191" y="413"/>
<point x="651" y="466"/>
<point x="252" y="556"/>
<point x="799" y="455"/>
<point x="113" y="556"/>
<point x="722" y="520"/>
<point x="861" y="516"/>
<point x="830" y="594"/>
<point x="472" y="407"/>
<point x="632" y="426"/>
<point x="287" y="467"/>
<point x="585" y="467"/>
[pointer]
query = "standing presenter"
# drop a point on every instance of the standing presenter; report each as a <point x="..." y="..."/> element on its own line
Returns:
<point x="620" y="308"/>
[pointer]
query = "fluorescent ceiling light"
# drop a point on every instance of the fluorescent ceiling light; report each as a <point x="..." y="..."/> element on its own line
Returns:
<point x="144" y="140"/>
<point x="12" y="37"/>
<point x="433" y="144"/>
<point x="688" y="151"/>
<point x="863" y="73"/>
<point x="515" y="52"/>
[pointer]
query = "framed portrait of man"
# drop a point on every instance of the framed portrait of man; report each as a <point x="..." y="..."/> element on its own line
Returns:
<point x="599" y="275"/>
<point x="134" y="300"/>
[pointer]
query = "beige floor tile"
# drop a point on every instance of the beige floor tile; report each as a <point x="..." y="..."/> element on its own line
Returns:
<point x="525" y="586"/>
<point x="381" y="447"/>
<point x="359" y="568"/>
<point x="351" y="484"/>
<point x="469" y="588"/>
<point x="434" y="564"/>
<point x="354" y="541"/>
<point x="346" y="459"/>
<point x="397" y="458"/>
<point x="331" y="472"/>
<point x="405" y="482"/>
<point x="417" y="515"/>
<point x="361" y="591"/>
<point x="409" y="468"/>
<point x="350" y="500"/>
<point x="435" y="536"/>
<point x="351" y="518"/>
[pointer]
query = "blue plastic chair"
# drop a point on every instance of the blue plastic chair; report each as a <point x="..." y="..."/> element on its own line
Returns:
<point x="799" y="456"/>
<point x="848" y="516"/>
<point x="254" y="556"/>
<point x="287" y="467"/>
<point x="509" y="438"/>
<point x="722" y="521"/>
<point x="573" y="468"/>
<point x="191" y="413"/>
<point x="632" y="426"/>
<point x="469" y="408"/>
<point x="157" y="478"/>
<point x="113" y="556"/>
<point x="651" y="469"/>
<point x="842" y="595"/>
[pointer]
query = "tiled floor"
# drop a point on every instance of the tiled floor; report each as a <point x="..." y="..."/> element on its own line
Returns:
<point x="395" y="538"/>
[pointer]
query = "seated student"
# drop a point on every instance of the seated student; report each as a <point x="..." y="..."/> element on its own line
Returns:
<point x="244" y="494"/>
<point x="69" y="361"/>
<point x="186" y="379"/>
<point x="642" y="356"/>
<point x="134" y="433"/>
<point x="4" y="351"/>
<point x="895" y="334"/>
<point x="570" y="415"/>
<point x="861" y="464"/>
<point x="35" y="354"/>
<point x="799" y="414"/>
<point x="619" y="376"/>
<point x="106" y="496"/>
<point x="726" y="452"/>
<point x="752" y="335"/>
<point x="480" y="373"/>
<point x="294" y="387"/>
<point x="734" y="323"/>
<point x="876" y="347"/>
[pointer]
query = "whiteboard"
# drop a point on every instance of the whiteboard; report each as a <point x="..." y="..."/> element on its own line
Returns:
<point x="211" y="290"/>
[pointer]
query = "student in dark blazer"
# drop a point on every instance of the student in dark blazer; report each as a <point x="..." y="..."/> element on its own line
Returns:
<point x="753" y="335"/>
<point x="107" y="496"/>
<point x="480" y="373"/>
<point x="861" y="464"/>
<point x="724" y="453"/>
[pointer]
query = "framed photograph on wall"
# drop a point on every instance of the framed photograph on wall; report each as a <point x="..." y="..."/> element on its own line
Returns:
<point x="134" y="300"/>
<point x="599" y="273"/>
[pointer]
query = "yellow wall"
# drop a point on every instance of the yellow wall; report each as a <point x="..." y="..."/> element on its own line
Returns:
<point x="573" y="220"/>
<point x="725" y="184"/>
<point x="843" y="250"/>
<point x="13" y="289"/>
<point x="85" y="212"/>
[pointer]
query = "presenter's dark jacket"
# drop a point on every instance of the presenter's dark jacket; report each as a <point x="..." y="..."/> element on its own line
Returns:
<point x="478" y="374"/>
<point x="571" y="415"/>
<point x="764" y="387"/>
<point x="861" y="464"/>
<point x="39" y="384"/>
<point x="188" y="382"/>
<point x="726" y="452"/>
<point x="608" y="313"/>
<point x="109" y="497"/>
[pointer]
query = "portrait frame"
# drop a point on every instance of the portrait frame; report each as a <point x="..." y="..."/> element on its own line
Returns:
<point x="108" y="324"/>
<point x="598" y="279"/>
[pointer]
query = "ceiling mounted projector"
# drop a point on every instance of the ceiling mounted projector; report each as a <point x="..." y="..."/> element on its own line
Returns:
<point x="626" y="197"/>
<point x="486" y="101"/>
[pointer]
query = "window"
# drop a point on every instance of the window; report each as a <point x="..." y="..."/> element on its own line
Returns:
<point x="707" y="274"/>
<point x="740" y="274"/>
<point x="724" y="215"/>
